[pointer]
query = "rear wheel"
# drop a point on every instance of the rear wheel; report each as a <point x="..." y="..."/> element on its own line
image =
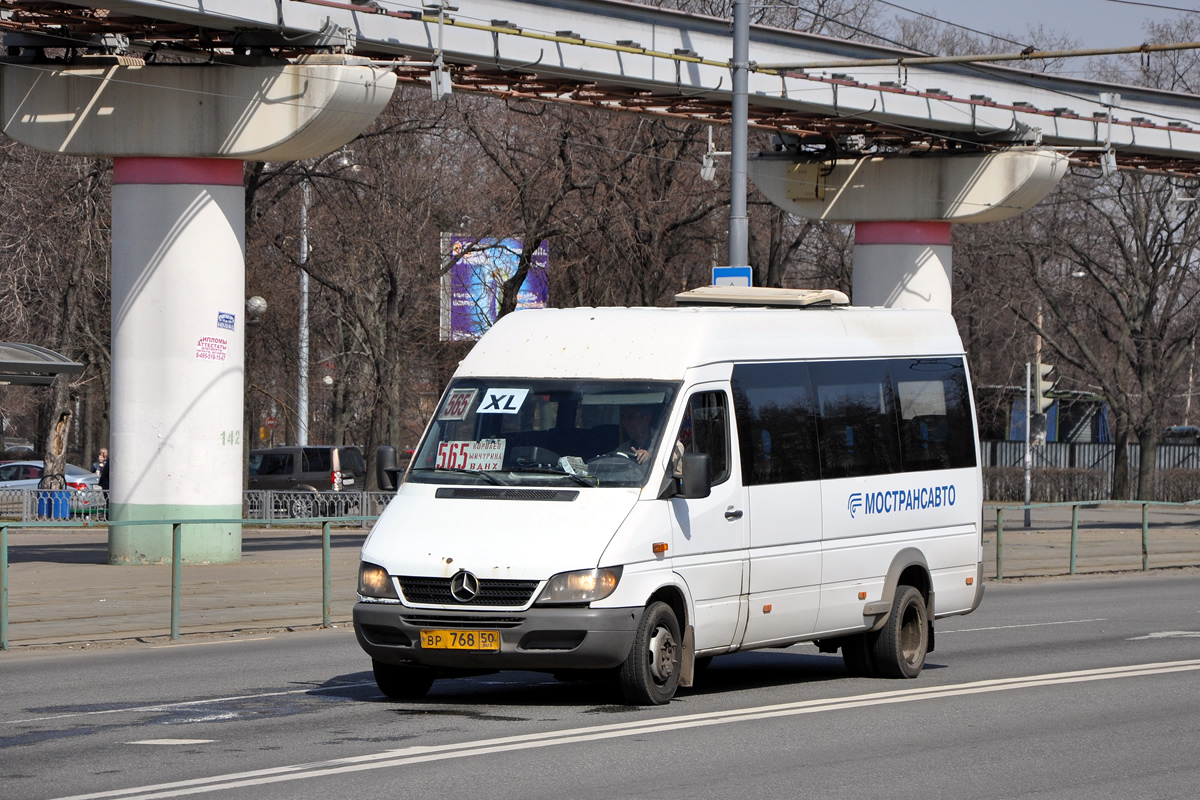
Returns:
<point x="402" y="682"/>
<point x="650" y="674"/>
<point x="901" y="644"/>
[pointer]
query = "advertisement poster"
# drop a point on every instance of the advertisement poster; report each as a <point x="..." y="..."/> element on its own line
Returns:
<point x="471" y="289"/>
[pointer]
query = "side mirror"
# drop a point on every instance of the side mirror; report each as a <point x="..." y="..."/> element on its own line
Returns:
<point x="386" y="470"/>
<point x="696" y="482"/>
<point x="697" y="476"/>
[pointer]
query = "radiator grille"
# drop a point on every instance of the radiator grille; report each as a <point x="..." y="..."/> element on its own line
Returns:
<point x="492" y="592"/>
<point x="500" y="493"/>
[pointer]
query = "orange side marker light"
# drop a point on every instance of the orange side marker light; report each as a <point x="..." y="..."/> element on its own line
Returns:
<point x="659" y="547"/>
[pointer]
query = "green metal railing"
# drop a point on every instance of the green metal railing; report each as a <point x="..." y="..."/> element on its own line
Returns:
<point x="177" y="558"/>
<point x="1075" y="506"/>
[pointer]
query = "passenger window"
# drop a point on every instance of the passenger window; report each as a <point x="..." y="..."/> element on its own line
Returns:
<point x="856" y="418"/>
<point x="777" y="433"/>
<point x="935" y="414"/>
<point x="317" y="459"/>
<point x="705" y="429"/>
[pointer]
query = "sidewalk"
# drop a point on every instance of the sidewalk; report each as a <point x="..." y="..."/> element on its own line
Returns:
<point x="61" y="591"/>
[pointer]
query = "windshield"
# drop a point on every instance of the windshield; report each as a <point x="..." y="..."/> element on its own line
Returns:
<point x="523" y="432"/>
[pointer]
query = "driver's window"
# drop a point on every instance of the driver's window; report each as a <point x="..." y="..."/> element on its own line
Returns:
<point x="705" y="429"/>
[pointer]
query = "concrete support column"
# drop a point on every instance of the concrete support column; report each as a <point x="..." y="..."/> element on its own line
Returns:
<point x="902" y="264"/>
<point x="178" y="289"/>
<point x="902" y="207"/>
<point x="178" y="136"/>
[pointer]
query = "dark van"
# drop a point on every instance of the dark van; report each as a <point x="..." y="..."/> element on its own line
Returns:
<point x="308" y="469"/>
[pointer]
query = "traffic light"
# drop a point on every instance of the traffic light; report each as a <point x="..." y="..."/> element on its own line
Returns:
<point x="1042" y="385"/>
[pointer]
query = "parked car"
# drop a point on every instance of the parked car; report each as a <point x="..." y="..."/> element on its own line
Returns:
<point x="309" y="472"/>
<point x="80" y="488"/>
<point x="28" y="475"/>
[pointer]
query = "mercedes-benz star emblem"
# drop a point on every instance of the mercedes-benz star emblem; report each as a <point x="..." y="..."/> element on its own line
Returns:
<point x="464" y="586"/>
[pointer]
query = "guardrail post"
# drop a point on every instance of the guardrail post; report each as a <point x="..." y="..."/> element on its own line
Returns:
<point x="326" y="577"/>
<point x="3" y="587"/>
<point x="1074" y="535"/>
<point x="999" y="543"/>
<point x="1145" y="536"/>
<point x="176" y="558"/>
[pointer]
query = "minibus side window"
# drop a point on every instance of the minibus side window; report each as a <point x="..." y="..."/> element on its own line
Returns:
<point x="856" y="418"/>
<point x="935" y="414"/>
<point x="777" y="432"/>
<point x="705" y="429"/>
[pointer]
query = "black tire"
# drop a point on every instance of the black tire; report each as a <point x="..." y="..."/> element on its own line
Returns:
<point x="401" y="682"/>
<point x="857" y="655"/>
<point x="901" y="644"/>
<point x="650" y="674"/>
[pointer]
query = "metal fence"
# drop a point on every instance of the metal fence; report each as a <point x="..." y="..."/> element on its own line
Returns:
<point x="54" y="505"/>
<point x="273" y="505"/>
<point x="1091" y="468"/>
<point x="90" y="506"/>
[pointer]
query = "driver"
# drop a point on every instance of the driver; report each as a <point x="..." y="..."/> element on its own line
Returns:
<point x="635" y="426"/>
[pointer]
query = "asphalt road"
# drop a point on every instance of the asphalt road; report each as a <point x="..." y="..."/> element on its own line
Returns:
<point x="1064" y="688"/>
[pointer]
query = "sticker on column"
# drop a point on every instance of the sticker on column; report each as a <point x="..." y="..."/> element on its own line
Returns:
<point x="211" y="348"/>
<point x="225" y="320"/>
<point x="502" y="401"/>
<point x="458" y="403"/>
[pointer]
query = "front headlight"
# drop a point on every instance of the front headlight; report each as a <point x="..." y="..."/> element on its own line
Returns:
<point x="583" y="586"/>
<point x="374" y="581"/>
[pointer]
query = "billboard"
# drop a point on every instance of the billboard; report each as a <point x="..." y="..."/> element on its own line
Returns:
<point x="471" y="287"/>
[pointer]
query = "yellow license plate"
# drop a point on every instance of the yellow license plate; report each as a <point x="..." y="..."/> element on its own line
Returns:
<point x="460" y="640"/>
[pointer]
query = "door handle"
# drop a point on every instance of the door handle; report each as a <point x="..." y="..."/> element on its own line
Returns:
<point x="732" y="513"/>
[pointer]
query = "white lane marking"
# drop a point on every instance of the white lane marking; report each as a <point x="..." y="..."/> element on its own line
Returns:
<point x="1168" y="635"/>
<point x="1027" y="625"/>
<point x="187" y="703"/>
<point x="421" y="753"/>
<point x="173" y="741"/>
<point x="214" y="641"/>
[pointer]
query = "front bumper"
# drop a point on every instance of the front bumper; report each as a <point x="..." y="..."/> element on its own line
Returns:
<point x="537" y="639"/>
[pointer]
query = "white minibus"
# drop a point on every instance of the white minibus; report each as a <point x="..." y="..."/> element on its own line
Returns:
<point x="632" y="491"/>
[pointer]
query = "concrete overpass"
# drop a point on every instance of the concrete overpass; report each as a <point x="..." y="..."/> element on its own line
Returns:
<point x="630" y="56"/>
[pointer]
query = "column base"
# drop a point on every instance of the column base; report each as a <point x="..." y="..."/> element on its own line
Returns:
<point x="202" y="543"/>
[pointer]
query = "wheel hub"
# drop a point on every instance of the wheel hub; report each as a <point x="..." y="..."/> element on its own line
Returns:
<point x="662" y="655"/>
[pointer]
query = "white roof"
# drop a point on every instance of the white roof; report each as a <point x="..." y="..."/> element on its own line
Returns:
<point x="662" y="343"/>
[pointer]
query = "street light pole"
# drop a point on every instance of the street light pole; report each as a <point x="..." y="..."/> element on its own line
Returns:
<point x="739" y="226"/>
<point x="302" y="387"/>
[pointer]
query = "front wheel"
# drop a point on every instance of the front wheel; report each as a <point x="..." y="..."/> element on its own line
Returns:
<point x="901" y="644"/>
<point x="650" y="675"/>
<point x="401" y="682"/>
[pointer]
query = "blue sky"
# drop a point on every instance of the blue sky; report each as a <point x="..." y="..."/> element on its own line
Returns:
<point x="1095" y="23"/>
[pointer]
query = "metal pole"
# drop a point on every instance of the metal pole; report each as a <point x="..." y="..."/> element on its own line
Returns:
<point x="302" y="387"/>
<point x="999" y="543"/>
<point x="1074" y="534"/>
<point x="326" y="573"/>
<point x="1028" y="451"/>
<point x="176" y="577"/>
<point x="3" y="587"/>
<point x="1145" y="537"/>
<point x="739" y="231"/>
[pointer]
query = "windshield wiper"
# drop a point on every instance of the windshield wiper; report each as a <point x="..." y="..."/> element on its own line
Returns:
<point x="582" y="481"/>
<point x="478" y="473"/>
